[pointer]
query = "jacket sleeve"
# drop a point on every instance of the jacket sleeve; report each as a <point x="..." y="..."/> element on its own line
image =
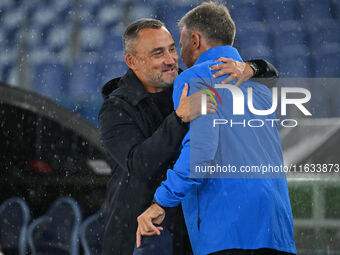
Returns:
<point x="125" y="143"/>
<point x="199" y="150"/>
<point x="267" y="73"/>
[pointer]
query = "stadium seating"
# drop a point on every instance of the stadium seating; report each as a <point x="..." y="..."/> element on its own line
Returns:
<point x="57" y="231"/>
<point x="315" y="9"/>
<point x="326" y="60"/>
<point x="253" y="34"/>
<point x="112" y="67"/>
<point x="170" y="15"/>
<point x="109" y="15"/>
<point x="91" y="38"/>
<point x="323" y="31"/>
<point x="288" y="33"/>
<point x="48" y="79"/>
<point x="294" y="61"/>
<point x="84" y="88"/>
<point x="245" y="11"/>
<point x="8" y="58"/>
<point x="59" y="38"/>
<point x="92" y="233"/>
<point x="280" y="10"/>
<point x="255" y="52"/>
<point x="14" y="218"/>
<point x="141" y="10"/>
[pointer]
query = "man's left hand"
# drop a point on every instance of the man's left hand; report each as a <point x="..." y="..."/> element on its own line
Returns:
<point x="236" y="70"/>
<point x="153" y="215"/>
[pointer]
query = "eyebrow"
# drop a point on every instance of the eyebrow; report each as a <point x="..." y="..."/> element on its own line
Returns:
<point x="162" y="48"/>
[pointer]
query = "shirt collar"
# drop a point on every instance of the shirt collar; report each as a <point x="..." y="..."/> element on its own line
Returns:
<point x="219" y="51"/>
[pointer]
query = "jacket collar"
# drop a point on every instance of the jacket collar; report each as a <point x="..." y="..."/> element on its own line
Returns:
<point x="131" y="88"/>
<point x="219" y="51"/>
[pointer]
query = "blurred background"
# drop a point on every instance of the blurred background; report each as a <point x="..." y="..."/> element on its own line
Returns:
<point x="55" y="56"/>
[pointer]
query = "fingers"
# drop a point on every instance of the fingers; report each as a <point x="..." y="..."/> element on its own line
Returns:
<point x="225" y="60"/>
<point x="138" y="238"/>
<point x="211" y="108"/>
<point x="229" y="79"/>
<point x="239" y="82"/>
<point x="224" y="69"/>
<point x="185" y="90"/>
<point x="146" y="226"/>
<point x="222" y="72"/>
<point x="210" y="100"/>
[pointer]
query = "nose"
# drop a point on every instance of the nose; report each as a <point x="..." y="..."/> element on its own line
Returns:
<point x="170" y="58"/>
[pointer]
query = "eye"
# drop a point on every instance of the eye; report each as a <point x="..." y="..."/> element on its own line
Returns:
<point x="158" y="53"/>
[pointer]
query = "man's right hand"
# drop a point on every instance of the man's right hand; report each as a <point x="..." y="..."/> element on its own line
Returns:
<point x="190" y="106"/>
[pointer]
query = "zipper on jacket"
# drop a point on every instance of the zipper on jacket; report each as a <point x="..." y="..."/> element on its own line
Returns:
<point x="198" y="212"/>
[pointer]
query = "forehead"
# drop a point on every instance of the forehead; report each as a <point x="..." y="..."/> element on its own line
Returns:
<point x="150" y="38"/>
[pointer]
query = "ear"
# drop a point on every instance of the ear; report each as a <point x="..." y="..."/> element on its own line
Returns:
<point x="196" y="40"/>
<point x="130" y="61"/>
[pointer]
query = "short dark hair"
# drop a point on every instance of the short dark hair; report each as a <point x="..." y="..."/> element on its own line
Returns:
<point x="131" y="32"/>
<point x="213" y="20"/>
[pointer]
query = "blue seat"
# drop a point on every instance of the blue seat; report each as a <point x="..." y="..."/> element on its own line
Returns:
<point x="48" y="79"/>
<point x="6" y="5"/>
<point x="8" y="59"/>
<point x="294" y="61"/>
<point x="91" y="38"/>
<point x="113" y="67"/>
<point x="138" y="11"/>
<point x="326" y="64"/>
<point x="113" y="43"/>
<point x="64" y="8"/>
<point x="92" y="233"/>
<point x="323" y="31"/>
<point x="315" y="9"/>
<point x="44" y="16"/>
<point x="91" y="6"/>
<point x="170" y="14"/>
<point x="84" y="82"/>
<point x="110" y="15"/>
<point x="337" y="9"/>
<point x="12" y="27"/>
<point x="280" y="10"/>
<point x="84" y="94"/>
<point x="253" y="34"/>
<point x="245" y="11"/>
<point x="57" y="231"/>
<point x="14" y="219"/>
<point x="59" y="38"/>
<point x="289" y="33"/>
<point x="256" y="52"/>
<point x="36" y="37"/>
<point x="326" y="60"/>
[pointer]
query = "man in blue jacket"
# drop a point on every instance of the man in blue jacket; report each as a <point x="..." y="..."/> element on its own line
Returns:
<point x="230" y="211"/>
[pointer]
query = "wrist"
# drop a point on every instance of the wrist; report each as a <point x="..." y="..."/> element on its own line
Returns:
<point x="253" y="66"/>
<point x="180" y="117"/>
<point x="154" y="202"/>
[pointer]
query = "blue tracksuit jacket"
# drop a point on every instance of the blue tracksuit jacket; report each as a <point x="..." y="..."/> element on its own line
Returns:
<point x="231" y="211"/>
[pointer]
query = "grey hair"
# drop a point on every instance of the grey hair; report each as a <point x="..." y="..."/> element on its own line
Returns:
<point x="212" y="20"/>
<point x="131" y="32"/>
